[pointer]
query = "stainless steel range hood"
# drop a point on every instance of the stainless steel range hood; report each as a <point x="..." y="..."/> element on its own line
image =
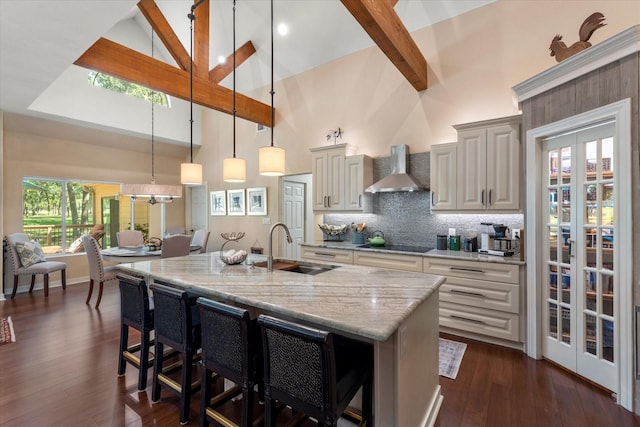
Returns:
<point x="399" y="180"/>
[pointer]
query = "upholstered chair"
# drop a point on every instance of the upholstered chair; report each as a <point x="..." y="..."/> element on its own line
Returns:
<point x="177" y="325"/>
<point x="200" y="238"/>
<point x="136" y="311"/>
<point x="315" y="372"/>
<point x="231" y="348"/>
<point x="30" y="262"/>
<point x="130" y="238"/>
<point x="175" y="245"/>
<point x="97" y="271"/>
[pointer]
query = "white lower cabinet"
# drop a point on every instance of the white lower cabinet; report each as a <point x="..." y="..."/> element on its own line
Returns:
<point x="497" y="324"/>
<point x="388" y="260"/>
<point x="331" y="255"/>
<point x="481" y="298"/>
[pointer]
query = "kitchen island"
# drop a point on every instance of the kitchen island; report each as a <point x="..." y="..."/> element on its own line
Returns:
<point x="397" y="311"/>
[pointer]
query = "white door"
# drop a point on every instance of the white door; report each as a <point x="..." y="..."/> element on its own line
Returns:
<point x="580" y="310"/>
<point x="198" y="207"/>
<point x="293" y="217"/>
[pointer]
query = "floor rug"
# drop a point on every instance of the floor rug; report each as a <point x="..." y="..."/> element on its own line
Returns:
<point x="6" y="331"/>
<point x="451" y="353"/>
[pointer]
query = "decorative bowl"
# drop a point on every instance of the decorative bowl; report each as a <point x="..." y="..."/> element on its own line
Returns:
<point x="333" y="230"/>
<point x="232" y="257"/>
<point x="233" y="235"/>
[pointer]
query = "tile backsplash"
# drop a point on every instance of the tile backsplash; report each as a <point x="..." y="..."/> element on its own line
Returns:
<point x="405" y="218"/>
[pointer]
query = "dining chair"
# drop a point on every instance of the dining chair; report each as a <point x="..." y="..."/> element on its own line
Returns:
<point x="176" y="245"/>
<point x="315" y="372"/>
<point x="232" y="349"/>
<point x="176" y="230"/>
<point x="97" y="271"/>
<point x="136" y="311"/>
<point x="31" y="262"/>
<point x="130" y="238"/>
<point x="177" y="325"/>
<point x="200" y="238"/>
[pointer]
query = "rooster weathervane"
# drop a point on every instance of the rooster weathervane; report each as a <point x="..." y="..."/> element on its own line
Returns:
<point x="560" y="50"/>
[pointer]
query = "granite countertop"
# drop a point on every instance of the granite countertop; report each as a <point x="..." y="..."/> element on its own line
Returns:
<point x="363" y="301"/>
<point x="461" y="255"/>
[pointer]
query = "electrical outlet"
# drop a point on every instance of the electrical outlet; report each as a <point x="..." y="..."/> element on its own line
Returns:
<point x="266" y="220"/>
<point x="515" y="234"/>
<point x="452" y="231"/>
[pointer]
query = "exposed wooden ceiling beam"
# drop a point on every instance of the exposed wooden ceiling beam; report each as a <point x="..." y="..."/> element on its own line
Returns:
<point x="117" y="60"/>
<point x="161" y="26"/>
<point x="382" y="23"/>
<point x="201" y="41"/>
<point x="127" y="64"/>
<point x="221" y="71"/>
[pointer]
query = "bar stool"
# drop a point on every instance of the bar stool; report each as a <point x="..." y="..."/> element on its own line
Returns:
<point x="177" y="325"/>
<point x="315" y="372"/>
<point x="231" y="348"/>
<point x="136" y="312"/>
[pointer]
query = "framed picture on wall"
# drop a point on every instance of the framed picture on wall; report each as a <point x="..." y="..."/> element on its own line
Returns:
<point x="235" y="202"/>
<point x="218" y="202"/>
<point x="257" y="201"/>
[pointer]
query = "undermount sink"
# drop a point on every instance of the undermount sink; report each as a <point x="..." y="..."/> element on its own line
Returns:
<point x="295" y="266"/>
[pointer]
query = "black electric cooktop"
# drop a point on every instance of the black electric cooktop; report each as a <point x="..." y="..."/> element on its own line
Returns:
<point x="401" y="248"/>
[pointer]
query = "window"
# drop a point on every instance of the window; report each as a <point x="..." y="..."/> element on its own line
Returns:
<point x="115" y="84"/>
<point x="56" y="212"/>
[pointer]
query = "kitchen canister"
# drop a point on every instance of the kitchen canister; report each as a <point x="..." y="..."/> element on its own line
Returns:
<point x="357" y="238"/>
<point x="454" y="243"/>
<point x="441" y="242"/>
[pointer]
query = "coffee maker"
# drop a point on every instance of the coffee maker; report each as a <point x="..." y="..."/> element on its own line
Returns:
<point x="485" y="236"/>
<point x="498" y="242"/>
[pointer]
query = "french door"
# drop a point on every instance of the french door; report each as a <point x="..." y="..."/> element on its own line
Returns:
<point x="580" y="306"/>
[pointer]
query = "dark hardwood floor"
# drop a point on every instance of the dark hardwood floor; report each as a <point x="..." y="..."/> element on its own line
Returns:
<point x="61" y="371"/>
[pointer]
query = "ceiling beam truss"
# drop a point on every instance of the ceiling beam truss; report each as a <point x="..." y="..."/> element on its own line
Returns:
<point x="127" y="64"/>
<point x="382" y="23"/>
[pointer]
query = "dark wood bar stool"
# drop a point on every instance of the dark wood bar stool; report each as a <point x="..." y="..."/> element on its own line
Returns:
<point x="231" y="348"/>
<point x="177" y="325"/>
<point x="136" y="312"/>
<point x="315" y="372"/>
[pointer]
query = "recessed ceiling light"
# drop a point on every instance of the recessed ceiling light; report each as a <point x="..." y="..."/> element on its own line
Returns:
<point x="283" y="29"/>
<point x="221" y="59"/>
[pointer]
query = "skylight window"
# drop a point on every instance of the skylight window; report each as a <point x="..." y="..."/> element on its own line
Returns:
<point x="117" y="85"/>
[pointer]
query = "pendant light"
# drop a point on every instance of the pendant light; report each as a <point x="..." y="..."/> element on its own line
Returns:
<point x="233" y="168"/>
<point x="191" y="173"/>
<point x="153" y="193"/>
<point x="271" y="160"/>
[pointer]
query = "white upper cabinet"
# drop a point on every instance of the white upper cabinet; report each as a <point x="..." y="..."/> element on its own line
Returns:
<point x="443" y="176"/>
<point x="339" y="181"/>
<point x="488" y="165"/>
<point x="328" y="177"/>
<point x="358" y="172"/>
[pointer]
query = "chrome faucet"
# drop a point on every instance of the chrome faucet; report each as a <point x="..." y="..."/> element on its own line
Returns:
<point x="270" y="255"/>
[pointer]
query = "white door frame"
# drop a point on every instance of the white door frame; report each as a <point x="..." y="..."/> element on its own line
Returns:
<point x="621" y="112"/>
<point x="304" y="178"/>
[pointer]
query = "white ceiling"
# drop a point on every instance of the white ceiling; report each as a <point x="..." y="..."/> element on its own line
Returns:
<point x="40" y="40"/>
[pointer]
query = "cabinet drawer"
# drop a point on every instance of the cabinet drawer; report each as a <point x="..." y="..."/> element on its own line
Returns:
<point x="388" y="260"/>
<point x="342" y="256"/>
<point x="497" y="324"/>
<point x="478" y="293"/>
<point x="493" y="271"/>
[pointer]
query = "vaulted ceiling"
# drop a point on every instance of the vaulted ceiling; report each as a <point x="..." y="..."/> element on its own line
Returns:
<point x="40" y="40"/>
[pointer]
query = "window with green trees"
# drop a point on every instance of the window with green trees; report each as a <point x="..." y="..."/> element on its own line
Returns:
<point x="117" y="85"/>
<point x="56" y="212"/>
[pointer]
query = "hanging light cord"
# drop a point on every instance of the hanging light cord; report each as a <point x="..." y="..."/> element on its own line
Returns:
<point x="234" y="79"/>
<point x="153" y="176"/>
<point x="192" y="17"/>
<point x="273" y="111"/>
